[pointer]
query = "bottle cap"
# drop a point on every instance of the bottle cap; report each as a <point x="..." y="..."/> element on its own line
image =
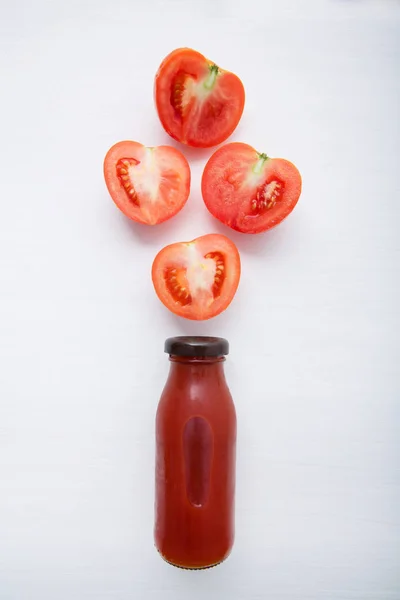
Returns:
<point x="196" y="346"/>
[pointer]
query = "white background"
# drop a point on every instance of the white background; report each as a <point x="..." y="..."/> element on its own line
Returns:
<point x="313" y="328"/>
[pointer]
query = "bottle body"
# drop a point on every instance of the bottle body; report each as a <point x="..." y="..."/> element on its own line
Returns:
<point x="195" y="464"/>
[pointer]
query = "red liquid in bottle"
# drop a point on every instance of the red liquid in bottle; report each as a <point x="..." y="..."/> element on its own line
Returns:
<point x="195" y="456"/>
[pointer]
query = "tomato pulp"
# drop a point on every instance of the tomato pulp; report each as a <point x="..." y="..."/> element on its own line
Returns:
<point x="195" y="456"/>
<point x="248" y="191"/>
<point x="149" y="185"/>
<point x="197" y="279"/>
<point x="198" y="103"/>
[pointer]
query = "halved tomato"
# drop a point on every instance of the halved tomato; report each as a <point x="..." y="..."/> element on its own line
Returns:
<point x="197" y="279"/>
<point x="149" y="185"/>
<point x="248" y="191"/>
<point x="198" y="103"/>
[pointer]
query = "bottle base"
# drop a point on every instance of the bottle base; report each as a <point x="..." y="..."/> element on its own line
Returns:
<point x="191" y="568"/>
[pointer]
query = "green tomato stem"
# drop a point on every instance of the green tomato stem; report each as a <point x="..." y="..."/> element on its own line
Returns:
<point x="212" y="77"/>
<point x="260" y="163"/>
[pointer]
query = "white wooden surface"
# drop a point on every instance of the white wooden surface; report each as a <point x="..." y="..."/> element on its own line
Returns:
<point x="313" y="330"/>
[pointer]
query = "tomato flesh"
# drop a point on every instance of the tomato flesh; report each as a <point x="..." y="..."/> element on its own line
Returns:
<point x="149" y="185"/>
<point x="248" y="191"/>
<point x="197" y="280"/>
<point x="198" y="103"/>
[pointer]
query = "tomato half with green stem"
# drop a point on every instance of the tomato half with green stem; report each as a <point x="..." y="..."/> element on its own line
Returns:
<point x="198" y="103"/>
<point x="149" y="185"/>
<point x="197" y="280"/>
<point x="249" y="191"/>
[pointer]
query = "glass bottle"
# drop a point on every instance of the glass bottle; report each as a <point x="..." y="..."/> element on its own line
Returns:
<point x="195" y="456"/>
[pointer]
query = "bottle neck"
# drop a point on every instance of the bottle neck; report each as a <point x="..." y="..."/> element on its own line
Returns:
<point x="210" y="360"/>
<point x="185" y="369"/>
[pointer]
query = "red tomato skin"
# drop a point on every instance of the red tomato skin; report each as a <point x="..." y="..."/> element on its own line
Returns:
<point x="229" y="200"/>
<point x="170" y="255"/>
<point x="128" y="148"/>
<point x="198" y="66"/>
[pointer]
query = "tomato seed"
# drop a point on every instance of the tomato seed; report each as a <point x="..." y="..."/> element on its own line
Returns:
<point x="219" y="275"/>
<point x="266" y="196"/>
<point x="173" y="281"/>
<point x="122" y="167"/>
